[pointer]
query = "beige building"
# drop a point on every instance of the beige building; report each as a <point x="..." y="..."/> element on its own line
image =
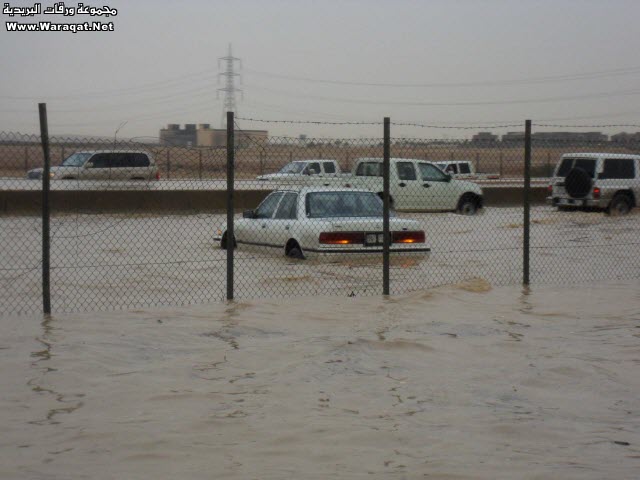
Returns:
<point x="205" y="136"/>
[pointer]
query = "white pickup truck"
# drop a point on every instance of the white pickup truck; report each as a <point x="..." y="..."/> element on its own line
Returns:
<point x="417" y="185"/>
<point x="414" y="185"/>
<point x="299" y="171"/>
<point x="464" y="169"/>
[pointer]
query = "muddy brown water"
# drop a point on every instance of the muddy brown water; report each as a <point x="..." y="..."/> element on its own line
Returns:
<point x="468" y="381"/>
<point x="105" y="262"/>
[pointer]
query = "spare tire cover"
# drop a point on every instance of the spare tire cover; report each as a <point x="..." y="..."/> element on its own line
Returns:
<point x="578" y="183"/>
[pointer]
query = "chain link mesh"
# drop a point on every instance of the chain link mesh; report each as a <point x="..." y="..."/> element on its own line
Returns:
<point x="138" y="224"/>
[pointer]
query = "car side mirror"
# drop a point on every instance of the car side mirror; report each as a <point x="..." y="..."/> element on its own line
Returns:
<point x="249" y="214"/>
<point x="88" y="165"/>
<point x="448" y="178"/>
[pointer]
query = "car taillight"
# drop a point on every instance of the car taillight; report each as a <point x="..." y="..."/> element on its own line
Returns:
<point x="341" y="238"/>
<point x="157" y="175"/>
<point x="408" y="237"/>
<point x="550" y="189"/>
<point x="596" y="193"/>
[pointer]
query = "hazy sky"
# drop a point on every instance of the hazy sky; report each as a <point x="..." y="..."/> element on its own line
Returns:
<point x="442" y="62"/>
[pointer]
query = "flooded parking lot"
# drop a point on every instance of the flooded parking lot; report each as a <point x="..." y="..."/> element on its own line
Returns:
<point x="103" y="262"/>
<point x="463" y="381"/>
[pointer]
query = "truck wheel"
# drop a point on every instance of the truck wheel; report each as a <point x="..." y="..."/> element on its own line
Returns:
<point x="468" y="205"/>
<point x="620" y="205"/>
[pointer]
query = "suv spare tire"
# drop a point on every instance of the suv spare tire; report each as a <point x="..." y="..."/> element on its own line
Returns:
<point x="578" y="183"/>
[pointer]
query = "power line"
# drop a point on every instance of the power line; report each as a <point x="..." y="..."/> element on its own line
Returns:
<point x="413" y="103"/>
<point x="117" y="92"/>
<point x="526" y="81"/>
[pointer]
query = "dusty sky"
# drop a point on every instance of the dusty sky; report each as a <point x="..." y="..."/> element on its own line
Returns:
<point x="441" y="62"/>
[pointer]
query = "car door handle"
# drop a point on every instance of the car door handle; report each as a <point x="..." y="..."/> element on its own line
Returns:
<point x="426" y="185"/>
<point x="402" y="184"/>
<point x="264" y="225"/>
<point x="286" y="227"/>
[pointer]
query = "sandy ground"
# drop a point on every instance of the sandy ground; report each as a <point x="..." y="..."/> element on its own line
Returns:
<point x="459" y="382"/>
<point x="103" y="262"/>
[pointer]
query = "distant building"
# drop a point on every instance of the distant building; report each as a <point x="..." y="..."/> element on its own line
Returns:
<point x="570" y="137"/>
<point x="205" y="136"/>
<point x="174" y="135"/>
<point x="557" y="137"/>
<point x="513" y="137"/>
<point x="625" y="138"/>
<point x="484" y="138"/>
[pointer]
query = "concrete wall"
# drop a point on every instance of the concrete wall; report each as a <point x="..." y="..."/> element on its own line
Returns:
<point x="185" y="201"/>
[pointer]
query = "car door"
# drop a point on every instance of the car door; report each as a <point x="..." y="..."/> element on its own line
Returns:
<point x="407" y="189"/>
<point x="259" y="230"/>
<point x="98" y="167"/>
<point x="437" y="192"/>
<point x="284" y="218"/>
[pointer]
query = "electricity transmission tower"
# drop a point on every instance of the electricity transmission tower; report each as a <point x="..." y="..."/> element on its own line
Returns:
<point x="229" y="84"/>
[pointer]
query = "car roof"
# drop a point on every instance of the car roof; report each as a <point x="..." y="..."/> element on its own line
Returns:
<point x="305" y="190"/>
<point x="113" y="151"/>
<point x="314" y="160"/>
<point x="594" y="154"/>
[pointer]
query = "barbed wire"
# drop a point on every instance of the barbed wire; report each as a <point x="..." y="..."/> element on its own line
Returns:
<point x="399" y="124"/>
<point x="436" y="126"/>
<point x="619" y="125"/>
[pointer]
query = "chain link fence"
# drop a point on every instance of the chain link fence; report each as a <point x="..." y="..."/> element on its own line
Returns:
<point x="134" y="223"/>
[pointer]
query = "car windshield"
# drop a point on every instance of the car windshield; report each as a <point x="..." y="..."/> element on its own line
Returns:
<point x="343" y="204"/>
<point x="293" y="167"/>
<point x="586" y="164"/>
<point x="76" y="160"/>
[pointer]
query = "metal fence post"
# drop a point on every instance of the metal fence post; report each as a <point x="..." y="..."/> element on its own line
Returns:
<point x="385" y="207"/>
<point x="477" y="162"/>
<point x="230" y="188"/>
<point x="200" y="165"/>
<point x="46" y="239"/>
<point x="26" y="159"/>
<point x="168" y="164"/>
<point x="527" y="189"/>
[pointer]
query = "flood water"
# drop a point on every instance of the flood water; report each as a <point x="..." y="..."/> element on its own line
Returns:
<point x="458" y="382"/>
<point x="106" y="262"/>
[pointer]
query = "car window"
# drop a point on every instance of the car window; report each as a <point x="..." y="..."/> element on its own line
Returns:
<point x="120" y="160"/>
<point x="343" y="204"/>
<point x="369" y="169"/>
<point x="452" y="168"/>
<point x="586" y="164"/>
<point x="464" y="168"/>
<point x="329" y="167"/>
<point x="313" y="166"/>
<point x="268" y="205"/>
<point x="287" y="208"/>
<point x="137" y="160"/>
<point x="565" y="166"/>
<point x="618" y="168"/>
<point x="101" y="160"/>
<point x="431" y="173"/>
<point x="406" y="171"/>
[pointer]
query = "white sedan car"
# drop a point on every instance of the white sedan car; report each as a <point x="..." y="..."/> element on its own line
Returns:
<point x="324" y="222"/>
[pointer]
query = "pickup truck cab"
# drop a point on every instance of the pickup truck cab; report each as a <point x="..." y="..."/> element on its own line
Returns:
<point x="303" y="169"/>
<point x="418" y="185"/>
<point x="464" y="169"/>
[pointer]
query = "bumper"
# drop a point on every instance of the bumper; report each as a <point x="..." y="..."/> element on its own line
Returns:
<point x="576" y="202"/>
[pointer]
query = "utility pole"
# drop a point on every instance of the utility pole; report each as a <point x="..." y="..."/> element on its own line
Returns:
<point x="229" y="84"/>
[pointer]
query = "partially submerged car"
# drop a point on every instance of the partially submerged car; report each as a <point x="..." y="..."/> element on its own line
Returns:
<point x="324" y="222"/>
